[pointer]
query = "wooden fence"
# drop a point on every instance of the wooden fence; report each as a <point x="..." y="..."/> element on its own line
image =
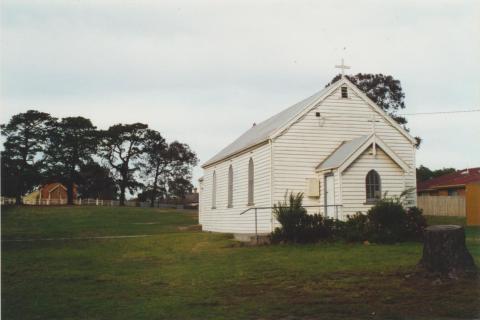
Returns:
<point x="89" y="202"/>
<point x="442" y="205"/>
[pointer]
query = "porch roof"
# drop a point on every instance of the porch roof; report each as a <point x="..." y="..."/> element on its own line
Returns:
<point x="342" y="153"/>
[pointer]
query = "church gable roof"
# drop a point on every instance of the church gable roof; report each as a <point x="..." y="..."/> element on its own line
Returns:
<point x="276" y="124"/>
<point x="262" y="131"/>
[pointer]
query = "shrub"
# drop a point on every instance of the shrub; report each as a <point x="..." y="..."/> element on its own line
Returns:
<point x="416" y="223"/>
<point x="355" y="228"/>
<point x="297" y="226"/>
<point x="386" y="222"/>
<point x="389" y="222"/>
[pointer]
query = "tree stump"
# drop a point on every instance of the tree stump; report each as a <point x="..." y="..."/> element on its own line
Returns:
<point x="445" y="251"/>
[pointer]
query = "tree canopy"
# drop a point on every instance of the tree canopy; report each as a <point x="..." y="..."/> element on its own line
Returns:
<point x="123" y="146"/>
<point x="25" y="135"/>
<point x="41" y="149"/>
<point x="71" y="143"/>
<point x="165" y="163"/>
<point x="424" y="173"/>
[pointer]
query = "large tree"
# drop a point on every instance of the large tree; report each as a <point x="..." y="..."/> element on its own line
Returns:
<point x="155" y="165"/>
<point x="25" y="135"/>
<point x="424" y="173"/>
<point x="384" y="90"/>
<point x="96" y="181"/>
<point x="71" y="143"/>
<point x="165" y="163"/>
<point x="123" y="146"/>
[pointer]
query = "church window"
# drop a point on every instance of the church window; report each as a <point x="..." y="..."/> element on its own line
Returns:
<point x="372" y="186"/>
<point x="250" y="182"/>
<point x="230" y="187"/>
<point x="214" y="190"/>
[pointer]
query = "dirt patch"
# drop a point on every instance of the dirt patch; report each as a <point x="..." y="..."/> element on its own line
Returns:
<point x="196" y="227"/>
<point x="379" y="295"/>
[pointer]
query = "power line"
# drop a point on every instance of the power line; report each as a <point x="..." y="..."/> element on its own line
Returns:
<point x="439" y="112"/>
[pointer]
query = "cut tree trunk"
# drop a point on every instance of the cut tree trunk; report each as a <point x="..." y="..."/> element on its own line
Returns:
<point x="445" y="252"/>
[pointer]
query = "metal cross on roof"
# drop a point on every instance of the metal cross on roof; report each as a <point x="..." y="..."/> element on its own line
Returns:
<point x="343" y="67"/>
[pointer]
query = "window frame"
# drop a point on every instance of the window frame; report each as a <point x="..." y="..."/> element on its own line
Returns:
<point x="214" y="190"/>
<point x="344" y="90"/>
<point x="251" y="183"/>
<point x="230" y="187"/>
<point x="371" y="185"/>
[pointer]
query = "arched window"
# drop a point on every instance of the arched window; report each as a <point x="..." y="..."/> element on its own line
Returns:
<point x="214" y="190"/>
<point x="230" y="187"/>
<point x="372" y="186"/>
<point x="250" y="182"/>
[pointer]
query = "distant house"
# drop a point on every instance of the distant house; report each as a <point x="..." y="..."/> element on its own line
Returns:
<point x="452" y="184"/>
<point x="54" y="192"/>
<point x="453" y="194"/>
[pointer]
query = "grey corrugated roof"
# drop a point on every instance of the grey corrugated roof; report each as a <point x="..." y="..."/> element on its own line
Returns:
<point x="262" y="131"/>
<point x="344" y="151"/>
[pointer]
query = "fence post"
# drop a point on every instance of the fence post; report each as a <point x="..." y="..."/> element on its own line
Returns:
<point x="96" y="202"/>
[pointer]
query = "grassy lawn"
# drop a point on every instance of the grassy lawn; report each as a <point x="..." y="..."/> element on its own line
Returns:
<point x="194" y="275"/>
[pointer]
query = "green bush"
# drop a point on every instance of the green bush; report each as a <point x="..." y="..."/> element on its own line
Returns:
<point x="386" y="222"/>
<point x="355" y="228"/>
<point x="389" y="222"/>
<point x="416" y="223"/>
<point x="297" y="226"/>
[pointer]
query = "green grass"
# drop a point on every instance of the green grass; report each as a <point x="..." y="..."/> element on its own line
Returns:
<point x="195" y="275"/>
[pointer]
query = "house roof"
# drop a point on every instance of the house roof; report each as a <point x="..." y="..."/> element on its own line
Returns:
<point x="342" y="153"/>
<point x="49" y="187"/>
<point x="269" y="128"/>
<point x="458" y="178"/>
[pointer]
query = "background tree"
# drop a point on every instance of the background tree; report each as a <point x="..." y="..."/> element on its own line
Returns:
<point x="96" y="181"/>
<point x="165" y="163"/>
<point x="24" y="134"/>
<point x="156" y="163"/>
<point x="385" y="91"/>
<point x="179" y="186"/>
<point x="182" y="161"/>
<point x="424" y="173"/>
<point x="71" y="143"/>
<point x="123" y="146"/>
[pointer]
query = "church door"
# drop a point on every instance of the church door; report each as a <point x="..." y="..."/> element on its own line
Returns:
<point x="329" y="196"/>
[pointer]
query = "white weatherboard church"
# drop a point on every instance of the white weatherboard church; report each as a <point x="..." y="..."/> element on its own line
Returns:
<point x="337" y="147"/>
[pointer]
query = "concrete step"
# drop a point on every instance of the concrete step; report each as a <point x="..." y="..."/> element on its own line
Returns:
<point x="263" y="238"/>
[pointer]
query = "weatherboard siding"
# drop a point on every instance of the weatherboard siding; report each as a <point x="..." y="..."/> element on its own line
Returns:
<point x="353" y="179"/>
<point x="224" y="219"/>
<point x="309" y="141"/>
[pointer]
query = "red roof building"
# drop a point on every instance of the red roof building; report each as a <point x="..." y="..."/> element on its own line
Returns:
<point x="451" y="184"/>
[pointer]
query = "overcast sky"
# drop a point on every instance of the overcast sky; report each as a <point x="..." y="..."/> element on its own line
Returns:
<point x="202" y="72"/>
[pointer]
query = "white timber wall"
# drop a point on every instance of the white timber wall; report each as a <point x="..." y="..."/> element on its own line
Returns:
<point x="353" y="180"/>
<point x="298" y="151"/>
<point x="224" y="219"/>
